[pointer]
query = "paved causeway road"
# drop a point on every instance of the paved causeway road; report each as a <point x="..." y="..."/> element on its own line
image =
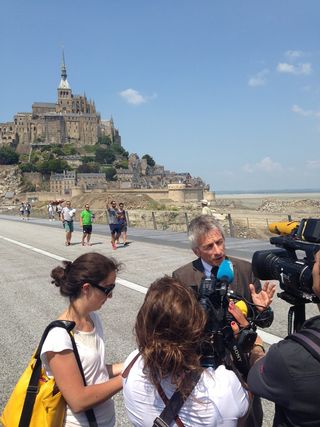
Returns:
<point x="28" y="252"/>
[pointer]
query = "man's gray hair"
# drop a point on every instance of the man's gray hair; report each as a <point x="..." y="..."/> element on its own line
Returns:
<point x="200" y="226"/>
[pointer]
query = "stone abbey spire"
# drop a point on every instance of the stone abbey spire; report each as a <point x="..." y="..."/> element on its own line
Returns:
<point x="63" y="82"/>
<point x="72" y="119"/>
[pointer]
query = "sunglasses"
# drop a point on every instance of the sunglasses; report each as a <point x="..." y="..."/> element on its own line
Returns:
<point x="106" y="290"/>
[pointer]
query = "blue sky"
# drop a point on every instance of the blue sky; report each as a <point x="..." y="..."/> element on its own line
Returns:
<point x="228" y="90"/>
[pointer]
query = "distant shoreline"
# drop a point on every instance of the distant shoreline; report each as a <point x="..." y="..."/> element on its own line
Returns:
<point x="267" y="191"/>
<point x="274" y="195"/>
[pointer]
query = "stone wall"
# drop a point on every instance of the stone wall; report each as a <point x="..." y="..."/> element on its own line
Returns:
<point x="179" y="195"/>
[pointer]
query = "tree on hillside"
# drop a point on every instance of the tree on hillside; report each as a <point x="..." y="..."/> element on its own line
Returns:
<point x="119" y="150"/>
<point x="104" y="155"/>
<point x="28" y="167"/>
<point x="104" y="140"/>
<point x="89" y="167"/>
<point x="8" y="156"/>
<point x="52" y="165"/>
<point x="87" y="159"/>
<point x="90" y="148"/>
<point x="58" y="151"/>
<point x="110" y="172"/>
<point x="123" y="164"/>
<point x="69" y="150"/>
<point x="149" y="159"/>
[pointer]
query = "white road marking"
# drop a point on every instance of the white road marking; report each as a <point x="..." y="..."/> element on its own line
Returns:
<point x="132" y="285"/>
<point x="32" y="248"/>
<point x="266" y="336"/>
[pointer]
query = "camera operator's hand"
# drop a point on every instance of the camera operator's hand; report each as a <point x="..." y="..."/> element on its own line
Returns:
<point x="316" y="274"/>
<point x="263" y="299"/>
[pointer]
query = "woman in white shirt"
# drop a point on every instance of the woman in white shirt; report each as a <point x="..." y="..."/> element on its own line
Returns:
<point x="88" y="282"/>
<point x="169" y="329"/>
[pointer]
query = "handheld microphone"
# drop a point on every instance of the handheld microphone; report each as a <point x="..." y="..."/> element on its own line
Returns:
<point x="226" y="274"/>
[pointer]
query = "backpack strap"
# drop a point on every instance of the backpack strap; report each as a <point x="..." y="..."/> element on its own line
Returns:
<point x="309" y="338"/>
<point x="173" y="405"/>
<point x="171" y="409"/>
<point x="32" y="389"/>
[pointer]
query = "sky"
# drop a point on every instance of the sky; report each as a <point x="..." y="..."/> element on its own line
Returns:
<point x="228" y="90"/>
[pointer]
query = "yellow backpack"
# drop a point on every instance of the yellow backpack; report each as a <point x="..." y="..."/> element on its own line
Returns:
<point x="36" y="400"/>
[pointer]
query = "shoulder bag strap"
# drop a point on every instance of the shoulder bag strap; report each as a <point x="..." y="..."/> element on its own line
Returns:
<point x="125" y="373"/>
<point x="173" y="406"/>
<point x="309" y="339"/>
<point x="171" y="409"/>
<point x="89" y="412"/>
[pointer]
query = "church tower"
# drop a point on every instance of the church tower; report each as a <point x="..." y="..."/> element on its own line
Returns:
<point x="64" y="91"/>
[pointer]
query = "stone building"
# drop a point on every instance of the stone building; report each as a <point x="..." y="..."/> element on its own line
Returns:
<point x="64" y="183"/>
<point x="141" y="175"/>
<point x="73" y="119"/>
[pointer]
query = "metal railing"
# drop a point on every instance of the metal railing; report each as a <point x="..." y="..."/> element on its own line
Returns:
<point x="234" y="225"/>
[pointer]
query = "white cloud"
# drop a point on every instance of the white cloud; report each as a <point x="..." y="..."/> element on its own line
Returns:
<point x="306" y="113"/>
<point x="299" y="69"/>
<point x="258" y="79"/>
<point x="268" y="165"/>
<point x="132" y="96"/>
<point x="293" y="54"/>
<point x="313" y="164"/>
<point x="305" y="68"/>
<point x="248" y="168"/>
<point x="265" y="165"/>
<point x="283" y="67"/>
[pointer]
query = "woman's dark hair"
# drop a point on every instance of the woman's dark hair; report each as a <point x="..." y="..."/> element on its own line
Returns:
<point x="88" y="268"/>
<point x="169" y="330"/>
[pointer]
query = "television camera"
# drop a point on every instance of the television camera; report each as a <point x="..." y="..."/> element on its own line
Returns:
<point x="291" y="265"/>
<point x="221" y="346"/>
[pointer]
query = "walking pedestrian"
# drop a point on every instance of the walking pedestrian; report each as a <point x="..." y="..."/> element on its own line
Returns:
<point x="27" y="210"/>
<point x="67" y="215"/>
<point x="205" y="207"/>
<point x="113" y="223"/>
<point x="86" y="219"/>
<point x="50" y="211"/>
<point x="21" y="211"/>
<point x="122" y="219"/>
<point x="58" y="210"/>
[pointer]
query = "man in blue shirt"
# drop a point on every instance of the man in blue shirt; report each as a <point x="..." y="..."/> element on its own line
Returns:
<point x="113" y="221"/>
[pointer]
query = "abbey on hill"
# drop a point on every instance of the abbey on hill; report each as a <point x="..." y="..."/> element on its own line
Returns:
<point x="71" y="120"/>
<point x="74" y="121"/>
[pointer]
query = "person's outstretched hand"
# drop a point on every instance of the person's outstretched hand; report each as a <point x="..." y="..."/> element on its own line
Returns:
<point x="264" y="298"/>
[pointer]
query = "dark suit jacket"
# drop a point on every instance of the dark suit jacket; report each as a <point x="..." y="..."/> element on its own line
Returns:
<point x="192" y="274"/>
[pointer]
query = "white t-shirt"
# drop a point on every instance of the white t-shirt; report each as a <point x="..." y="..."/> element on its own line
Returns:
<point x="218" y="399"/>
<point x="206" y="211"/>
<point x="68" y="213"/>
<point x="91" y="350"/>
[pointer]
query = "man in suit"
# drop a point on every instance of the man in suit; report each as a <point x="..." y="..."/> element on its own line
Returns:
<point x="208" y="244"/>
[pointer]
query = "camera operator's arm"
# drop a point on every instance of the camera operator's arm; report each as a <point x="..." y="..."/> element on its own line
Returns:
<point x="263" y="299"/>
<point x="316" y="274"/>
